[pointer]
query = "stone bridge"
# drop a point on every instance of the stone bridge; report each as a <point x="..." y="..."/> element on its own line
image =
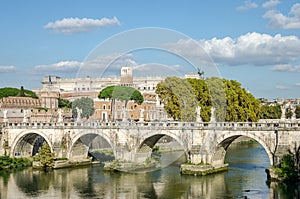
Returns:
<point x="201" y="142"/>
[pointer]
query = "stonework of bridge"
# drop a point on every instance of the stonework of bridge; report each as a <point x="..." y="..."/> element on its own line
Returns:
<point x="201" y="142"/>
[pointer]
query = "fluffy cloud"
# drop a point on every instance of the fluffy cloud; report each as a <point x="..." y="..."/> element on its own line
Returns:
<point x="270" y="3"/>
<point x="73" y="25"/>
<point x="63" y="66"/>
<point x="282" y="87"/>
<point x="105" y="65"/>
<point x="110" y="65"/>
<point x="251" y="48"/>
<point x="286" y="68"/>
<point x="7" y="69"/>
<point x="247" y="5"/>
<point x="278" y="20"/>
<point x="157" y="69"/>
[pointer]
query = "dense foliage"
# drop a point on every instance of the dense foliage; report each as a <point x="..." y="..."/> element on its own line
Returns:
<point x="122" y="93"/>
<point x="6" y="92"/>
<point x="7" y="162"/>
<point x="286" y="168"/>
<point x="230" y="101"/>
<point x="270" y="112"/>
<point x="64" y="103"/>
<point x="45" y="156"/>
<point x="85" y="104"/>
<point x="178" y="97"/>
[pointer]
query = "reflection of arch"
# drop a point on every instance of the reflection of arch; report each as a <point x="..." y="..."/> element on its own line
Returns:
<point x="224" y="142"/>
<point x="27" y="139"/>
<point x="31" y="182"/>
<point x="86" y="137"/>
<point x="151" y="138"/>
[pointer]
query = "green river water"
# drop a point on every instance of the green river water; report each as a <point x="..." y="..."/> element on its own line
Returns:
<point x="246" y="178"/>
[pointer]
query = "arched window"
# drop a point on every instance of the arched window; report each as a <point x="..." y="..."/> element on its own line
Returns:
<point x="104" y="106"/>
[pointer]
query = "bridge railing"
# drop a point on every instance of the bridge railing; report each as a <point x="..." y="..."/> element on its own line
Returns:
<point x="165" y="125"/>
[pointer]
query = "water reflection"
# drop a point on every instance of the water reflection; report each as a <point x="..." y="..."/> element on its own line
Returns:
<point x="245" y="178"/>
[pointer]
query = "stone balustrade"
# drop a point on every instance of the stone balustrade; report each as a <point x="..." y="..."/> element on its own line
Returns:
<point x="164" y="125"/>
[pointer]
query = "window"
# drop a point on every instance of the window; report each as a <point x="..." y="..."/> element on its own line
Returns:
<point x="104" y="107"/>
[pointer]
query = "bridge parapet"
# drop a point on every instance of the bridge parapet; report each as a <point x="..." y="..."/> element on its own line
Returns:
<point x="161" y="125"/>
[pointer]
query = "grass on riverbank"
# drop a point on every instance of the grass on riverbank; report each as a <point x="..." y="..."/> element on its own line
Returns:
<point x="7" y="162"/>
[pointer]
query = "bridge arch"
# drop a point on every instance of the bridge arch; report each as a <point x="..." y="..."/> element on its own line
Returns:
<point x="224" y="141"/>
<point x="23" y="144"/>
<point x="150" y="138"/>
<point x="83" y="139"/>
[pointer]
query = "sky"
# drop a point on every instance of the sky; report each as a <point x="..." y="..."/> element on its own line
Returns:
<point x="256" y="42"/>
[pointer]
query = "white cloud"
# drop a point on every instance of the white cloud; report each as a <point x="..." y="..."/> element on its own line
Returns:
<point x="157" y="69"/>
<point x="63" y="66"/>
<point x="278" y="20"/>
<point x="73" y="25"/>
<point x="7" y="69"/>
<point x="251" y="48"/>
<point x="282" y="87"/>
<point x="110" y="66"/>
<point x="270" y="3"/>
<point x="105" y="65"/>
<point x="286" y="68"/>
<point x="247" y="5"/>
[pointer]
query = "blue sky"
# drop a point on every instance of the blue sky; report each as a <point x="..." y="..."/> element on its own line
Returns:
<point x="256" y="42"/>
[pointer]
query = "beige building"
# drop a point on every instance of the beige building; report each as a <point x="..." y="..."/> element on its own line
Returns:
<point x="27" y="109"/>
<point x="73" y="88"/>
<point x="149" y="110"/>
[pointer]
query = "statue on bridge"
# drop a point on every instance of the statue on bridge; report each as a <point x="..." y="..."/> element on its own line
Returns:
<point x="79" y="112"/>
<point x="198" y="111"/>
<point x="25" y="118"/>
<point x="212" y="117"/>
<point x="141" y="119"/>
<point x="60" y="117"/>
<point x="124" y="115"/>
<point x="293" y="109"/>
<point x="283" y="110"/>
<point x="5" y="116"/>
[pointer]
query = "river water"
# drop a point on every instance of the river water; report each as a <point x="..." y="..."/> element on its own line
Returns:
<point x="245" y="178"/>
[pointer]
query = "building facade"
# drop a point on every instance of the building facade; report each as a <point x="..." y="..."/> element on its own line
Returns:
<point x="150" y="110"/>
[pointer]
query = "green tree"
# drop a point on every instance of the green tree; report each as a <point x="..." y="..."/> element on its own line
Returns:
<point x="270" y="112"/>
<point x="6" y="92"/>
<point x="218" y="94"/>
<point x="286" y="168"/>
<point x="241" y="105"/>
<point x="297" y="111"/>
<point x="122" y="93"/>
<point x="45" y="156"/>
<point x="178" y="97"/>
<point x="230" y="100"/>
<point x="22" y="92"/>
<point x="202" y="96"/>
<point x="86" y="105"/>
<point x="64" y="103"/>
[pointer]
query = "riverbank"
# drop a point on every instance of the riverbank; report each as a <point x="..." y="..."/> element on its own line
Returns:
<point x="122" y="166"/>
<point x="59" y="164"/>
<point x="7" y="162"/>
<point x="201" y="170"/>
